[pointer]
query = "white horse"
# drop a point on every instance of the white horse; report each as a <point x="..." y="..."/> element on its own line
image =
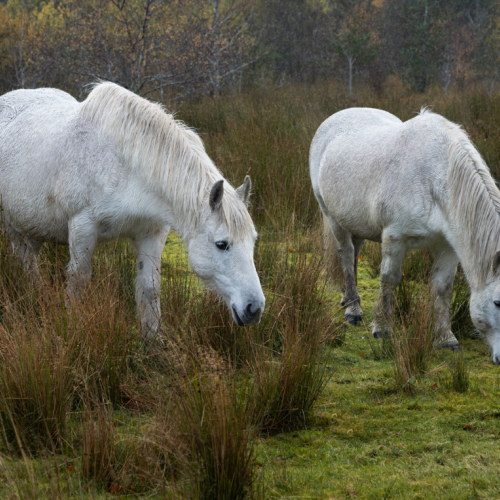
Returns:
<point x="117" y="165"/>
<point x="417" y="184"/>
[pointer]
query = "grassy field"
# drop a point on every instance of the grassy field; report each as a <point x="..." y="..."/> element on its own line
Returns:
<point x="299" y="406"/>
<point x="370" y="440"/>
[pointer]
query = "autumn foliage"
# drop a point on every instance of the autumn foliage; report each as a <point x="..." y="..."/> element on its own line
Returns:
<point x="171" y="49"/>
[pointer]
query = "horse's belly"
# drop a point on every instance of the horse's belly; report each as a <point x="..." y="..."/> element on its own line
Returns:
<point x="366" y="228"/>
<point x="38" y="221"/>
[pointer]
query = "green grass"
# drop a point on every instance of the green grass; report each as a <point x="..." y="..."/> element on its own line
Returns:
<point x="369" y="440"/>
<point x="363" y="437"/>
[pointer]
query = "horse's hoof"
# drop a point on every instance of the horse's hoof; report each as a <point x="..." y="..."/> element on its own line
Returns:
<point x="353" y="319"/>
<point x="377" y="334"/>
<point x="451" y="347"/>
<point x="475" y="334"/>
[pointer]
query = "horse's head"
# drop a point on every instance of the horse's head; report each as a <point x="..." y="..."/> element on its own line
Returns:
<point x="485" y="309"/>
<point x="224" y="261"/>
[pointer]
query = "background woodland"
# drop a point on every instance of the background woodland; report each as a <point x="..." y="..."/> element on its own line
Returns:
<point x="168" y="49"/>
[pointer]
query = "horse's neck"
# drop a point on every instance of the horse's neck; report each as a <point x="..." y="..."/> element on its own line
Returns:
<point x="461" y="243"/>
<point x="473" y="210"/>
<point x="184" y="222"/>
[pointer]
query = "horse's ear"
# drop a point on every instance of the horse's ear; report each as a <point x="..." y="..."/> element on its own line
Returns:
<point x="244" y="190"/>
<point x="216" y="193"/>
<point x="496" y="263"/>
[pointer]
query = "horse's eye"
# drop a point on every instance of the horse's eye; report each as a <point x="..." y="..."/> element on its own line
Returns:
<point x="222" y="245"/>
<point x="497" y="303"/>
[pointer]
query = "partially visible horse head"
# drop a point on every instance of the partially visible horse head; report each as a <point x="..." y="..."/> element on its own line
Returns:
<point x="485" y="309"/>
<point x="224" y="260"/>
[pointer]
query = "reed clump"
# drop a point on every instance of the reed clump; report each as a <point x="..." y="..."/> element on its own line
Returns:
<point x="412" y="343"/>
<point x="461" y="322"/>
<point x="290" y="372"/>
<point x="216" y="422"/>
<point x="457" y="378"/>
<point x="37" y="380"/>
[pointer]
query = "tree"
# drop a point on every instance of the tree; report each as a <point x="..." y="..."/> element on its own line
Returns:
<point x="413" y="42"/>
<point x="224" y="45"/>
<point x="296" y="38"/>
<point x="354" y="42"/>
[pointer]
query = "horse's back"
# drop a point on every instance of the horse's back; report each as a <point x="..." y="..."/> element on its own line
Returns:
<point x="371" y="170"/>
<point x="51" y="162"/>
<point x="16" y="103"/>
<point x="33" y="118"/>
<point x="348" y="122"/>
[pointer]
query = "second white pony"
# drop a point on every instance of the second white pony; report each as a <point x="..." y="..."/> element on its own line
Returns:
<point x="417" y="184"/>
<point x="117" y="165"/>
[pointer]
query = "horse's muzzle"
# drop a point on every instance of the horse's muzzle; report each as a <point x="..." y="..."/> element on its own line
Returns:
<point x="251" y="315"/>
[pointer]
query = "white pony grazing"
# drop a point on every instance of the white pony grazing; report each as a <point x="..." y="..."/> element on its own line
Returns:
<point x="117" y="165"/>
<point x="417" y="184"/>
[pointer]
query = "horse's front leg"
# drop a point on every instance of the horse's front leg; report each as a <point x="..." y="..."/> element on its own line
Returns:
<point x="442" y="276"/>
<point x="82" y="239"/>
<point x="147" y="286"/>
<point x="393" y="252"/>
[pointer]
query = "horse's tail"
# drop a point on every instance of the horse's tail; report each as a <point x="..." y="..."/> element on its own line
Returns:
<point x="332" y="262"/>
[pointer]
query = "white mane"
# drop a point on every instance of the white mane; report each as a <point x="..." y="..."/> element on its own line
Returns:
<point x="474" y="201"/>
<point x="168" y="154"/>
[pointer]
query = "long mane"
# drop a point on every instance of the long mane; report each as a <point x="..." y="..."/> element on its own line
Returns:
<point x="166" y="153"/>
<point x="474" y="202"/>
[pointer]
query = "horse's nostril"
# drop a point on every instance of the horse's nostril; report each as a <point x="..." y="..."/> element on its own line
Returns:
<point x="251" y="313"/>
<point x="496" y="359"/>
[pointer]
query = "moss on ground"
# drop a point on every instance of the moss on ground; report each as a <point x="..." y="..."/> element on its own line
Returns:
<point x="370" y="440"/>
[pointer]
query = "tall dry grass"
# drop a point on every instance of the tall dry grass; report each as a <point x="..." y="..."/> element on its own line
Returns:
<point x="412" y="341"/>
<point x="268" y="135"/>
<point x="217" y="428"/>
<point x="458" y="376"/>
<point x="294" y="335"/>
<point x="68" y="374"/>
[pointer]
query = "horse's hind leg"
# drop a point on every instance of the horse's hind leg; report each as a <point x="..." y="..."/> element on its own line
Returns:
<point x="358" y="245"/>
<point x="442" y="276"/>
<point x="347" y="254"/>
<point x="393" y="252"/>
<point x="26" y="250"/>
<point x="147" y="286"/>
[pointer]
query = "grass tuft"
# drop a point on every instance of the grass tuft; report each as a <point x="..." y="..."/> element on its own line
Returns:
<point x="99" y="460"/>
<point x="291" y="372"/>
<point x="458" y="377"/>
<point x="217" y="428"/>
<point x="412" y="343"/>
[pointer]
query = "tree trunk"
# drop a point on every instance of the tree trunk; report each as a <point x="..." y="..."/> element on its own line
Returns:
<point x="216" y="59"/>
<point x="350" y="60"/>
